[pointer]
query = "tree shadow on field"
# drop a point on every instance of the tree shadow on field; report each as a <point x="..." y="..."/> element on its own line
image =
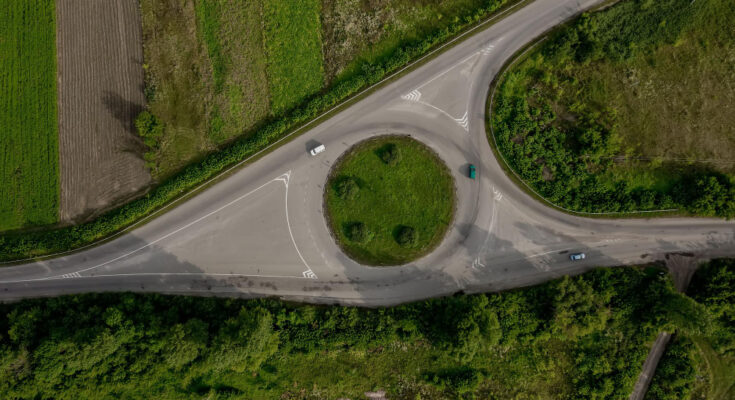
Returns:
<point x="123" y="110"/>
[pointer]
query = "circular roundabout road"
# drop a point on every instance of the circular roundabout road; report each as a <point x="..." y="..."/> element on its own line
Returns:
<point x="261" y="232"/>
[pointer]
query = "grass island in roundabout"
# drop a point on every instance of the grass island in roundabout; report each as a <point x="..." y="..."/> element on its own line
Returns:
<point x="389" y="200"/>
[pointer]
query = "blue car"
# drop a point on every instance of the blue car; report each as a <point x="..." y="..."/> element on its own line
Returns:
<point x="471" y="172"/>
<point x="577" y="256"/>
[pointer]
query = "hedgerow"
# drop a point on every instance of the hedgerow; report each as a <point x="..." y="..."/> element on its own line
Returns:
<point x="33" y="244"/>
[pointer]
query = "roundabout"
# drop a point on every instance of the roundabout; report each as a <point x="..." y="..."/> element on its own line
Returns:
<point x="389" y="200"/>
<point x="262" y="231"/>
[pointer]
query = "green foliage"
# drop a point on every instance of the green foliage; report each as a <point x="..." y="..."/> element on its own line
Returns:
<point x="579" y="310"/>
<point x="418" y="193"/>
<point x="209" y="26"/>
<point x="358" y="232"/>
<point x="462" y="347"/>
<point x="346" y="188"/>
<point x="30" y="244"/>
<point x="713" y="285"/>
<point x="557" y="113"/>
<point x="390" y="154"/>
<point x="294" y="46"/>
<point x="149" y="128"/>
<point x="406" y="236"/>
<point x="29" y="170"/>
<point x="675" y="373"/>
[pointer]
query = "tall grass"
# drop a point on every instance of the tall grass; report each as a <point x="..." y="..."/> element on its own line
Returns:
<point x="29" y="171"/>
<point x="293" y="44"/>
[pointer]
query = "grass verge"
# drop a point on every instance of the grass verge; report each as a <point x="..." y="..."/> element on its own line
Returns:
<point x="389" y="200"/>
<point x="29" y="169"/>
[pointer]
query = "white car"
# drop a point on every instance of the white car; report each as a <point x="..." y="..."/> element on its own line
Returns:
<point x="318" y="149"/>
<point x="577" y="256"/>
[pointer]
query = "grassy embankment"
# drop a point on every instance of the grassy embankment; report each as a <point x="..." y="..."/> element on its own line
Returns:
<point x="583" y="337"/>
<point x="702" y="365"/>
<point x="389" y="200"/>
<point x="29" y="170"/>
<point x="628" y="109"/>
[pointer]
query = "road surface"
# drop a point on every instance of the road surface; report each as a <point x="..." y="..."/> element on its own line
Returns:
<point x="261" y="232"/>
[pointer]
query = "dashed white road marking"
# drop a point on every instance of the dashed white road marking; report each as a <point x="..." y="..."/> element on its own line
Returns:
<point x="497" y="195"/>
<point x="463" y="122"/>
<point x="286" y="178"/>
<point x="72" y="275"/>
<point x="414" y="95"/>
<point x="487" y="49"/>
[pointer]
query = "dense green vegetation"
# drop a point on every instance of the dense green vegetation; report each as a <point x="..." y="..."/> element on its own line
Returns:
<point x="29" y="169"/>
<point x="389" y="200"/>
<point x="183" y="114"/>
<point x="709" y="353"/>
<point x="625" y="110"/>
<point x="576" y="338"/>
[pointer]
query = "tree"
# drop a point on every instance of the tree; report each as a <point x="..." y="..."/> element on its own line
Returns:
<point x="358" y="232"/>
<point x="406" y="236"/>
<point x="346" y="188"/>
<point x="390" y="154"/>
<point x="579" y="309"/>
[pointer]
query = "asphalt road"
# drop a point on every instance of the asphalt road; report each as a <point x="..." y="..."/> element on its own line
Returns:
<point x="260" y="232"/>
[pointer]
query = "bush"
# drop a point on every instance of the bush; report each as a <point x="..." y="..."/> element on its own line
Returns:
<point x="390" y="154"/>
<point x="358" y="232"/>
<point x="406" y="236"/>
<point x="347" y="188"/>
<point x="149" y="128"/>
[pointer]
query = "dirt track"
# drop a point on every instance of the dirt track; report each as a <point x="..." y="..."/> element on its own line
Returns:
<point x="100" y="56"/>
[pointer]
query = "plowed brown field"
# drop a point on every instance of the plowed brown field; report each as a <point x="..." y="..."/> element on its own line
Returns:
<point x="100" y="72"/>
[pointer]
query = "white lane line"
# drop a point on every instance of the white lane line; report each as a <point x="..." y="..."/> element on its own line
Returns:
<point x="448" y="69"/>
<point x="285" y="178"/>
<point x="279" y="178"/>
<point x="161" y="274"/>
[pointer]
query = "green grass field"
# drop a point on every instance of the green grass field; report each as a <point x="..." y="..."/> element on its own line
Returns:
<point x="29" y="169"/>
<point x="293" y="43"/>
<point x="417" y="192"/>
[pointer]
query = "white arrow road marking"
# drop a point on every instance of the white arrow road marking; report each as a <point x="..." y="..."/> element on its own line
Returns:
<point x="309" y="274"/>
<point x="487" y="49"/>
<point x="464" y="122"/>
<point x="497" y="195"/>
<point x="477" y="263"/>
<point x="414" y="95"/>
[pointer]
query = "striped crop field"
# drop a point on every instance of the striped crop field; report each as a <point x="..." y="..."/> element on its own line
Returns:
<point x="29" y="167"/>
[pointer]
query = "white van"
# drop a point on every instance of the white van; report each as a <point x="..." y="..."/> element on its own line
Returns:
<point x="318" y="149"/>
